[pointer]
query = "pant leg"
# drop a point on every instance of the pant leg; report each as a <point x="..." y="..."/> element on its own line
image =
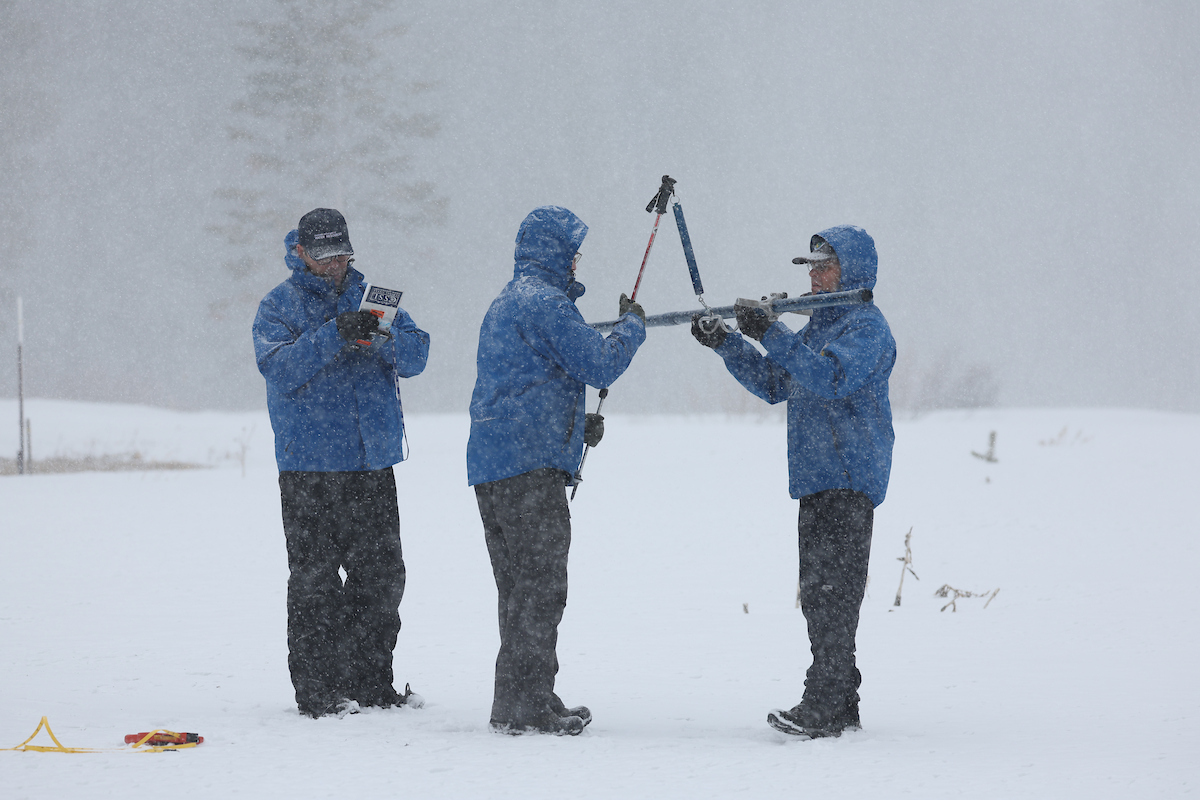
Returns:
<point x="488" y="495"/>
<point x="372" y="556"/>
<point x="527" y="525"/>
<point x="314" y="595"/>
<point x="835" y="546"/>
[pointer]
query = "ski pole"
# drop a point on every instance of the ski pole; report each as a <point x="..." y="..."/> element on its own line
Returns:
<point x="578" y="477"/>
<point x="658" y="204"/>
<point x="686" y="240"/>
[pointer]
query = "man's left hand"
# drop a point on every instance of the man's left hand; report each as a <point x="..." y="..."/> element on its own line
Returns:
<point x="754" y="317"/>
<point x="593" y="429"/>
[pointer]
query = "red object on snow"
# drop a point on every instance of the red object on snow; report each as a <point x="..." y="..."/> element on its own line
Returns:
<point x="164" y="737"/>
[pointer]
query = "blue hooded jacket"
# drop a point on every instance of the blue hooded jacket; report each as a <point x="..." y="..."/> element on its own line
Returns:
<point x="535" y="356"/>
<point x="335" y="407"/>
<point x="833" y="374"/>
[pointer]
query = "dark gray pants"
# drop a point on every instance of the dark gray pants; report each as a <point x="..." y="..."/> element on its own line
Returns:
<point x="341" y="637"/>
<point x="528" y="529"/>
<point x="835" y="546"/>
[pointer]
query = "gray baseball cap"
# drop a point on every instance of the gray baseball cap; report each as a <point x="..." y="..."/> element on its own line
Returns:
<point x="323" y="233"/>
<point x="821" y="251"/>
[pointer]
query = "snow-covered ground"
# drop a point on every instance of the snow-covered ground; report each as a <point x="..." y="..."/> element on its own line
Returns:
<point x="140" y="600"/>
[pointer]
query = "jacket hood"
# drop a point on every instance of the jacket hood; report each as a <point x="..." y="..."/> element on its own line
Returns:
<point x="546" y="243"/>
<point x="856" y="254"/>
<point x="295" y="264"/>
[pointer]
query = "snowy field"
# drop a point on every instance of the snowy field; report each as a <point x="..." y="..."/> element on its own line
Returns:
<point x="155" y="599"/>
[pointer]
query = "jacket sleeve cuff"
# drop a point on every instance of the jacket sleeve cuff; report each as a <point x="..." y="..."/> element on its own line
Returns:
<point x="778" y="335"/>
<point x="729" y="345"/>
<point x="328" y="341"/>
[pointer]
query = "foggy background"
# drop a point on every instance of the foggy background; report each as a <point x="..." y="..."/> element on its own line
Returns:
<point x="1029" y="171"/>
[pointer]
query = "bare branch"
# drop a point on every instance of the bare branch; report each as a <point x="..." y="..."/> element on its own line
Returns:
<point x="907" y="559"/>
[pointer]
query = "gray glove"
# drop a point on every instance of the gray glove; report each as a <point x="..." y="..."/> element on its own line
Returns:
<point x="754" y="317"/>
<point x="709" y="338"/>
<point x="633" y="306"/>
<point x="593" y="429"/>
<point x="355" y="325"/>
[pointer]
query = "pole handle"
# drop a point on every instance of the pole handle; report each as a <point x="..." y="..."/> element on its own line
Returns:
<point x="658" y="203"/>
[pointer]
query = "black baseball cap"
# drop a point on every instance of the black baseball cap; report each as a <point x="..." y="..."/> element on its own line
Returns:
<point x="821" y="251"/>
<point x="323" y="234"/>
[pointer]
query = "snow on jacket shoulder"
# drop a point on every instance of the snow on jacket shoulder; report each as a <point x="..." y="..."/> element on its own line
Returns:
<point x="537" y="355"/>
<point x="334" y="407"/>
<point x="834" y="376"/>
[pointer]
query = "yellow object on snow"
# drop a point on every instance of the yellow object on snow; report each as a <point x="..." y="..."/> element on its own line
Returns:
<point x="58" y="747"/>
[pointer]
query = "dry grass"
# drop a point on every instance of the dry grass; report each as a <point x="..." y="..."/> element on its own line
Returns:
<point x="120" y="463"/>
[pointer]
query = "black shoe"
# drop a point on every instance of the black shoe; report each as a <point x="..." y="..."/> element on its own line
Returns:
<point x="813" y="723"/>
<point x="583" y="712"/>
<point x="327" y="707"/>
<point x="411" y="698"/>
<point x="388" y="697"/>
<point x="554" y="724"/>
<point x="376" y="696"/>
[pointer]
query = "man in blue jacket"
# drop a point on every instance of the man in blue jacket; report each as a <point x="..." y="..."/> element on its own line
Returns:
<point x="834" y="376"/>
<point x="528" y="429"/>
<point x="333" y="395"/>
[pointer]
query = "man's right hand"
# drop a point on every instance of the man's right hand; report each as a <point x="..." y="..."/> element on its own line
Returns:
<point x="354" y="325"/>
<point x="627" y="306"/>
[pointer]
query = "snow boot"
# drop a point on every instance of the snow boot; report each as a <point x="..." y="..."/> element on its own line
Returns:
<point x="411" y="698"/>
<point x="388" y="697"/>
<point x="327" y="707"/>
<point x="583" y="712"/>
<point x="812" y="723"/>
<point x="551" y="723"/>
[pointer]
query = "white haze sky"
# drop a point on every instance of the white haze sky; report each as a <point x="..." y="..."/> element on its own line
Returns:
<point x="1029" y="171"/>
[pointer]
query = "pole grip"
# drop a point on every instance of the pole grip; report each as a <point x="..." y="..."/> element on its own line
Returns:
<point x="658" y="203"/>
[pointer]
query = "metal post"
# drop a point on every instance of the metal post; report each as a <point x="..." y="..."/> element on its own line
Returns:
<point x="779" y="306"/>
<point x="20" y="387"/>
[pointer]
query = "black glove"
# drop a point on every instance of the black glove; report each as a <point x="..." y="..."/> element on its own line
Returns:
<point x="754" y="317"/>
<point x="353" y="325"/>
<point x="593" y="429"/>
<point x="628" y="306"/>
<point x="708" y="338"/>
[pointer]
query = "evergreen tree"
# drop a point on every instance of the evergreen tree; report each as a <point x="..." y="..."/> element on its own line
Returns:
<point x="26" y="114"/>
<point x="325" y="119"/>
